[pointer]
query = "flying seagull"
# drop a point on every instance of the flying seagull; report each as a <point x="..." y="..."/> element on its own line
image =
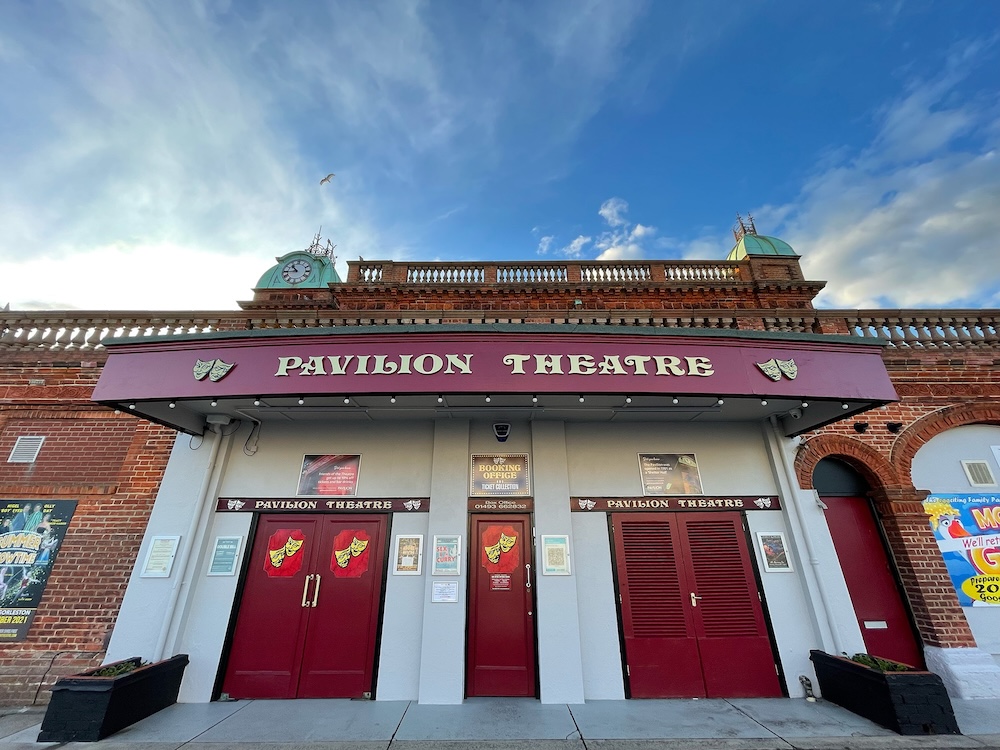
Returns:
<point x="327" y="178"/>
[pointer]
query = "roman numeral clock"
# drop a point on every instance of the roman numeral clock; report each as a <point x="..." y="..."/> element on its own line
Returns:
<point x="312" y="268"/>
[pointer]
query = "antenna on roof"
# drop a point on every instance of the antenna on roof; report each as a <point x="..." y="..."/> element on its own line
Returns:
<point x="744" y="228"/>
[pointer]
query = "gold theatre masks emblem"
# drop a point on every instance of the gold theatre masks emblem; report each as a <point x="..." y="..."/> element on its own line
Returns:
<point x="775" y="368"/>
<point x="215" y="369"/>
<point x="506" y="544"/>
<point x="344" y="555"/>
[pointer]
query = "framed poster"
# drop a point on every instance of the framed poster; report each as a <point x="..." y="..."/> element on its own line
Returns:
<point x="669" y="474"/>
<point x="447" y="555"/>
<point x="225" y="556"/>
<point x="408" y="555"/>
<point x="160" y="557"/>
<point x="773" y="552"/>
<point x="331" y="475"/>
<point x="555" y="555"/>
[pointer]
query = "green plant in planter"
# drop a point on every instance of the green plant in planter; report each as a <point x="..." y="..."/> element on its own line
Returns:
<point x="118" y="668"/>
<point x="877" y="662"/>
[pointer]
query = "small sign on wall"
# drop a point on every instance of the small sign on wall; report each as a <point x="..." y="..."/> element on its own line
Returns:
<point x="773" y="552"/>
<point x="447" y="555"/>
<point x="555" y="555"/>
<point x="225" y="556"/>
<point x="160" y="557"/>
<point x="409" y="555"/>
<point x="444" y="591"/>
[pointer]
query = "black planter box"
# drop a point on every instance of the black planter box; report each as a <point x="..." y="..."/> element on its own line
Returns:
<point x="910" y="702"/>
<point x="87" y="708"/>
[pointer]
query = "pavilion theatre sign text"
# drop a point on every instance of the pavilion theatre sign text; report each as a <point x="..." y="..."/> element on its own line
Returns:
<point x="518" y="364"/>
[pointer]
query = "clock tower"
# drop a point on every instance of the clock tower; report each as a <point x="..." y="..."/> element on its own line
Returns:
<point x="312" y="268"/>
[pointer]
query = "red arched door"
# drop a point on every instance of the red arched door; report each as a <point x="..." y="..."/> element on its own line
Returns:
<point x="878" y="603"/>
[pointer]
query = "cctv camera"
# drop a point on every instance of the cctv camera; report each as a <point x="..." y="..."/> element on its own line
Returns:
<point x="795" y="413"/>
<point x="502" y="431"/>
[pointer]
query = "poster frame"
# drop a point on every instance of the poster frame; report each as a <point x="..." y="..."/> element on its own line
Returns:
<point x="454" y="544"/>
<point x="768" y="558"/>
<point x="552" y="542"/>
<point x="235" y="565"/>
<point x="398" y="569"/>
<point x="316" y="458"/>
<point x="156" y="546"/>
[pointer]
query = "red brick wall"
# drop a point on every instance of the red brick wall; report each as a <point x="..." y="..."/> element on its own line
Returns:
<point x="111" y="464"/>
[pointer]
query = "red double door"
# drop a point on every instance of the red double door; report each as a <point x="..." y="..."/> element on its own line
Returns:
<point x="308" y="620"/>
<point x="500" y="657"/>
<point x="691" y="614"/>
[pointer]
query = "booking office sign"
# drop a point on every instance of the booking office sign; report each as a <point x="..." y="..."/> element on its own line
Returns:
<point x="31" y="533"/>
<point x="967" y="529"/>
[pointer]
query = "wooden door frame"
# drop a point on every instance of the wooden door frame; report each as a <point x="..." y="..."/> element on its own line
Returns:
<point x="473" y="560"/>
<point x="758" y="581"/>
<point x="234" y="612"/>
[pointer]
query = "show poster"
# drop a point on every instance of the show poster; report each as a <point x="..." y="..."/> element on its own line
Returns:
<point x="967" y="529"/>
<point x="330" y="475"/>
<point x="31" y="533"/>
<point x="669" y="474"/>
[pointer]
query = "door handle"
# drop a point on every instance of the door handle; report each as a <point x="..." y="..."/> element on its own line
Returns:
<point x="319" y="580"/>
<point x="694" y="599"/>
<point x="305" y="591"/>
<point x="527" y="575"/>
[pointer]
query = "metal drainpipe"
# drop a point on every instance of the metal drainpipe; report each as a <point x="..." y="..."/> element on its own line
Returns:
<point x="196" y="521"/>
<point x="802" y="533"/>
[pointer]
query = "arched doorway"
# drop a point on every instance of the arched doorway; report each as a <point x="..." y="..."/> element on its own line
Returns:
<point x="868" y="569"/>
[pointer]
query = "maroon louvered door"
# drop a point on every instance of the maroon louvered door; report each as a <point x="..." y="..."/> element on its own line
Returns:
<point x="693" y="622"/>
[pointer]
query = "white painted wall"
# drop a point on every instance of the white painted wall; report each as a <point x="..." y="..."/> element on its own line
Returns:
<point x="937" y="467"/>
<point x="422" y="650"/>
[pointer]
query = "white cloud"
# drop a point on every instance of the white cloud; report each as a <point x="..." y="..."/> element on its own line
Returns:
<point x="912" y="220"/>
<point x="545" y="243"/>
<point x="575" y="248"/>
<point x="611" y="211"/>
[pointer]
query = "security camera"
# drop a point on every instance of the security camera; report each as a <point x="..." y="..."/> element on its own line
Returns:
<point x="502" y="431"/>
<point x="795" y="413"/>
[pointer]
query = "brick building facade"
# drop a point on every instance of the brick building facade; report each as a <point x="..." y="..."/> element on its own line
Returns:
<point x="943" y="365"/>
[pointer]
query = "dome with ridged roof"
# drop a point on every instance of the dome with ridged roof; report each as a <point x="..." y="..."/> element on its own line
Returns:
<point x="759" y="244"/>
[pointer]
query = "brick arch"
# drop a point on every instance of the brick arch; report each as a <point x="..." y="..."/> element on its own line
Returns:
<point x="918" y="434"/>
<point x="872" y="465"/>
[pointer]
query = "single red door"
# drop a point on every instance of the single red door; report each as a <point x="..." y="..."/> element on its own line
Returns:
<point x="878" y="604"/>
<point x="308" y="620"/>
<point x="501" y="651"/>
<point x="691" y="614"/>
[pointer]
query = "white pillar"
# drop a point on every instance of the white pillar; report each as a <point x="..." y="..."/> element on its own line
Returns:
<point x="442" y="645"/>
<point x="557" y="619"/>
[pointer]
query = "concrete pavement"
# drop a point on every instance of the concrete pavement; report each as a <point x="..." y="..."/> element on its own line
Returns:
<point x="515" y="724"/>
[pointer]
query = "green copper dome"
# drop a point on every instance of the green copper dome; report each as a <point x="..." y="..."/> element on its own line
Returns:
<point x="758" y="244"/>
<point x="300" y="270"/>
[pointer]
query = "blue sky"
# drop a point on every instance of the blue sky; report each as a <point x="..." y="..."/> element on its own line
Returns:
<point x="160" y="155"/>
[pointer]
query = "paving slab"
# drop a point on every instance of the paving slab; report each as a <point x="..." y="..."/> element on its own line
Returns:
<point x="16" y="721"/>
<point x="489" y="719"/>
<point x="978" y="717"/>
<point x="665" y="719"/>
<point x="281" y="721"/>
<point x="797" y="717"/>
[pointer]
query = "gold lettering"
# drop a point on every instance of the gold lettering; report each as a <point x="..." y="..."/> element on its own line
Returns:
<point x="700" y="366"/>
<point x="668" y="365"/>
<point x="287" y="363"/>
<point x="516" y="362"/>
<point x="548" y="364"/>
<point x="313" y="367"/>
<point x="612" y="365"/>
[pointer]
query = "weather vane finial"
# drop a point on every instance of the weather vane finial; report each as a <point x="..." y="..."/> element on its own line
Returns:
<point x="744" y="228"/>
<point x="319" y="250"/>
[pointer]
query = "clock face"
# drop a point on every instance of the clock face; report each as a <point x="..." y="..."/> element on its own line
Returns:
<point x="296" y="271"/>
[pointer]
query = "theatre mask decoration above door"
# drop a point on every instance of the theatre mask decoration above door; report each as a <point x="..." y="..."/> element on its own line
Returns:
<point x="501" y="553"/>
<point x="284" y="553"/>
<point x="350" y="554"/>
